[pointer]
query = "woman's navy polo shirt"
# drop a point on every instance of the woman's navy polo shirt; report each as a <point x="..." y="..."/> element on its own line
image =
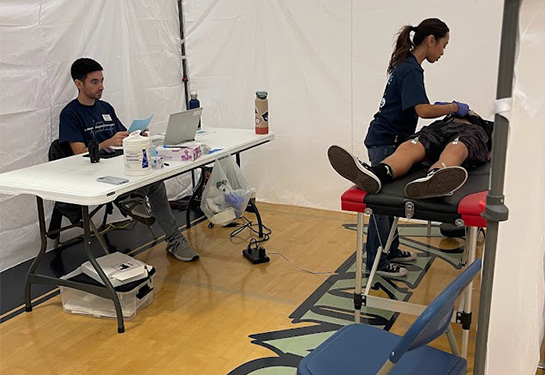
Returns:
<point x="396" y="118"/>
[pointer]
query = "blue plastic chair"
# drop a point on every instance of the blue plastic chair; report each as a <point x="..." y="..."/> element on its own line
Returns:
<point x="360" y="349"/>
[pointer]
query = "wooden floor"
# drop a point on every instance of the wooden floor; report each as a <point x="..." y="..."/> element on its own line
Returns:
<point x="203" y="312"/>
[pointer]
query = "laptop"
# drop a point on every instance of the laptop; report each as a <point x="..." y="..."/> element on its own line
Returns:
<point x="182" y="127"/>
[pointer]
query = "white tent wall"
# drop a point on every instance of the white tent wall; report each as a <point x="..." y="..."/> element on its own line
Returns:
<point x="136" y="41"/>
<point x="324" y="65"/>
<point x="517" y="307"/>
<point x="299" y="51"/>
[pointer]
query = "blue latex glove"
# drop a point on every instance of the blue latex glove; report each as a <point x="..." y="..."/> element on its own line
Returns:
<point x="441" y="103"/>
<point x="463" y="109"/>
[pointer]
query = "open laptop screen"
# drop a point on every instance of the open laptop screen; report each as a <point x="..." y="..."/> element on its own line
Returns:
<point x="182" y="126"/>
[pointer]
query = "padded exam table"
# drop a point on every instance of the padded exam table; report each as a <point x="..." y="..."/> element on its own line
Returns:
<point x="463" y="208"/>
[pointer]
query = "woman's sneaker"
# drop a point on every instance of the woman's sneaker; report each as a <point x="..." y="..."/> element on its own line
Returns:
<point x="392" y="270"/>
<point x="179" y="248"/>
<point x="438" y="183"/>
<point x="401" y="256"/>
<point x="353" y="170"/>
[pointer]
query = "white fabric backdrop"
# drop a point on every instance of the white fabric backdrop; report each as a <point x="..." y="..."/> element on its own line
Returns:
<point x="136" y="41"/>
<point x="323" y="64"/>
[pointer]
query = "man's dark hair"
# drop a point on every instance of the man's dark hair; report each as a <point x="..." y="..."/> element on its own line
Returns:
<point x="81" y="67"/>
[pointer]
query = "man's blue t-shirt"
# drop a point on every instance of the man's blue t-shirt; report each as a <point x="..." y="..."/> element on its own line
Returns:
<point x="396" y="118"/>
<point x="78" y="122"/>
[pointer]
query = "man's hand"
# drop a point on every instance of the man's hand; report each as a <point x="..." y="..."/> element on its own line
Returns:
<point x="116" y="140"/>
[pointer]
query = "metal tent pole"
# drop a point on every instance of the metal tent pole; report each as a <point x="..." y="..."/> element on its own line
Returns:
<point x="185" y="77"/>
<point x="496" y="210"/>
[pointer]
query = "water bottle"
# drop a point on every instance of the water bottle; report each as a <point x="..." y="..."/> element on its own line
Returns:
<point x="194" y="103"/>
<point x="261" y="113"/>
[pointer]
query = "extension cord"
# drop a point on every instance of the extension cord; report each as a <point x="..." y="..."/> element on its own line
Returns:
<point x="256" y="255"/>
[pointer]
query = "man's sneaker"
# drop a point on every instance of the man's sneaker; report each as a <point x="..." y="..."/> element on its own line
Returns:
<point x="392" y="270"/>
<point x="438" y="183"/>
<point x="401" y="256"/>
<point x="353" y="170"/>
<point x="179" y="248"/>
<point x="136" y="207"/>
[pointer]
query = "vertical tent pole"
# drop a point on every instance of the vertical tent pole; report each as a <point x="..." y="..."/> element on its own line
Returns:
<point x="496" y="210"/>
<point x="185" y="77"/>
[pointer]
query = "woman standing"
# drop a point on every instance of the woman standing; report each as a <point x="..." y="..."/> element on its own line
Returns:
<point x="403" y="102"/>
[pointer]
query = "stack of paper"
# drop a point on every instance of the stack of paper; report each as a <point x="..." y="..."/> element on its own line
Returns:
<point x="118" y="267"/>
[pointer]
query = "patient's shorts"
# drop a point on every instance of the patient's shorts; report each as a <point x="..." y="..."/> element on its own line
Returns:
<point x="438" y="135"/>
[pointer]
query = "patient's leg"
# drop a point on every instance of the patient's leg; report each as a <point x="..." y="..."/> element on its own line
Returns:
<point x="454" y="154"/>
<point x="371" y="178"/>
<point x="444" y="177"/>
<point x="405" y="156"/>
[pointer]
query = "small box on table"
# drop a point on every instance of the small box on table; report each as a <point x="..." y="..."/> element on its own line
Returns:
<point x="186" y="152"/>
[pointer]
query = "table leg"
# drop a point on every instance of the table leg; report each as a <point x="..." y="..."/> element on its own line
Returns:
<point x="100" y="272"/>
<point x="252" y="204"/>
<point x="465" y="314"/>
<point x="358" y="298"/>
<point x="192" y="199"/>
<point x="38" y="259"/>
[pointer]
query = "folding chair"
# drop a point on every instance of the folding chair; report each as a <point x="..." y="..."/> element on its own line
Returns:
<point x="360" y="349"/>
<point x="59" y="150"/>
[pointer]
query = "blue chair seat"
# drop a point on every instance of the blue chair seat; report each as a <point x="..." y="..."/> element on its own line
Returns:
<point x="360" y="349"/>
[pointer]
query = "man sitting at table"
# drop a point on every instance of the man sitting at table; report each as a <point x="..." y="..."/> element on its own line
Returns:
<point x="86" y="117"/>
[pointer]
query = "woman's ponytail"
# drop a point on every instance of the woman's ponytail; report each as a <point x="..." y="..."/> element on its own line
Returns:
<point x="404" y="44"/>
<point x="402" y="48"/>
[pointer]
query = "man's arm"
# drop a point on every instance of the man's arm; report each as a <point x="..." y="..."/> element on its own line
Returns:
<point x="78" y="147"/>
<point x="116" y="140"/>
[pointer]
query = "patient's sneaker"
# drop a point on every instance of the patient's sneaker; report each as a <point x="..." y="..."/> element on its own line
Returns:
<point x="179" y="248"/>
<point x="438" y="183"/>
<point x="136" y="207"/>
<point x="401" y="256"/>
<point x="392" y="270"/>
<point x="352" y="169"/>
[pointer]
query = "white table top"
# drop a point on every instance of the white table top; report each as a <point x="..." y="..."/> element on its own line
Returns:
<point x="74" y="179"/>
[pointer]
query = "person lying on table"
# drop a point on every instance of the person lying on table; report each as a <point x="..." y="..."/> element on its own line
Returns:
<point x="87" y="117"/>
<point x="453" y="144"/>
<point x="403" y="102"/>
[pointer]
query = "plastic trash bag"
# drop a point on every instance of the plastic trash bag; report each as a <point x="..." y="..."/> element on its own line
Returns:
<point x="227" y="192"/>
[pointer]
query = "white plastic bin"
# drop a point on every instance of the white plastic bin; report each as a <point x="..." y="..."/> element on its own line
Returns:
<point x="79" y="302"/>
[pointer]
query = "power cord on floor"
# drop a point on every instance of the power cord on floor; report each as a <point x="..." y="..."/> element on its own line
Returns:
<point x="250" y="225"/>
<point x="304" y="269"/>
<point x="254" y="245"/>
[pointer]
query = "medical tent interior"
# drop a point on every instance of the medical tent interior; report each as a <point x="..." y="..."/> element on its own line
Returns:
<point x="323" y="65"/>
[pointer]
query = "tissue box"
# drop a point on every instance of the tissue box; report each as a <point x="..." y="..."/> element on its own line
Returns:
<point x="187" y="152"/>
